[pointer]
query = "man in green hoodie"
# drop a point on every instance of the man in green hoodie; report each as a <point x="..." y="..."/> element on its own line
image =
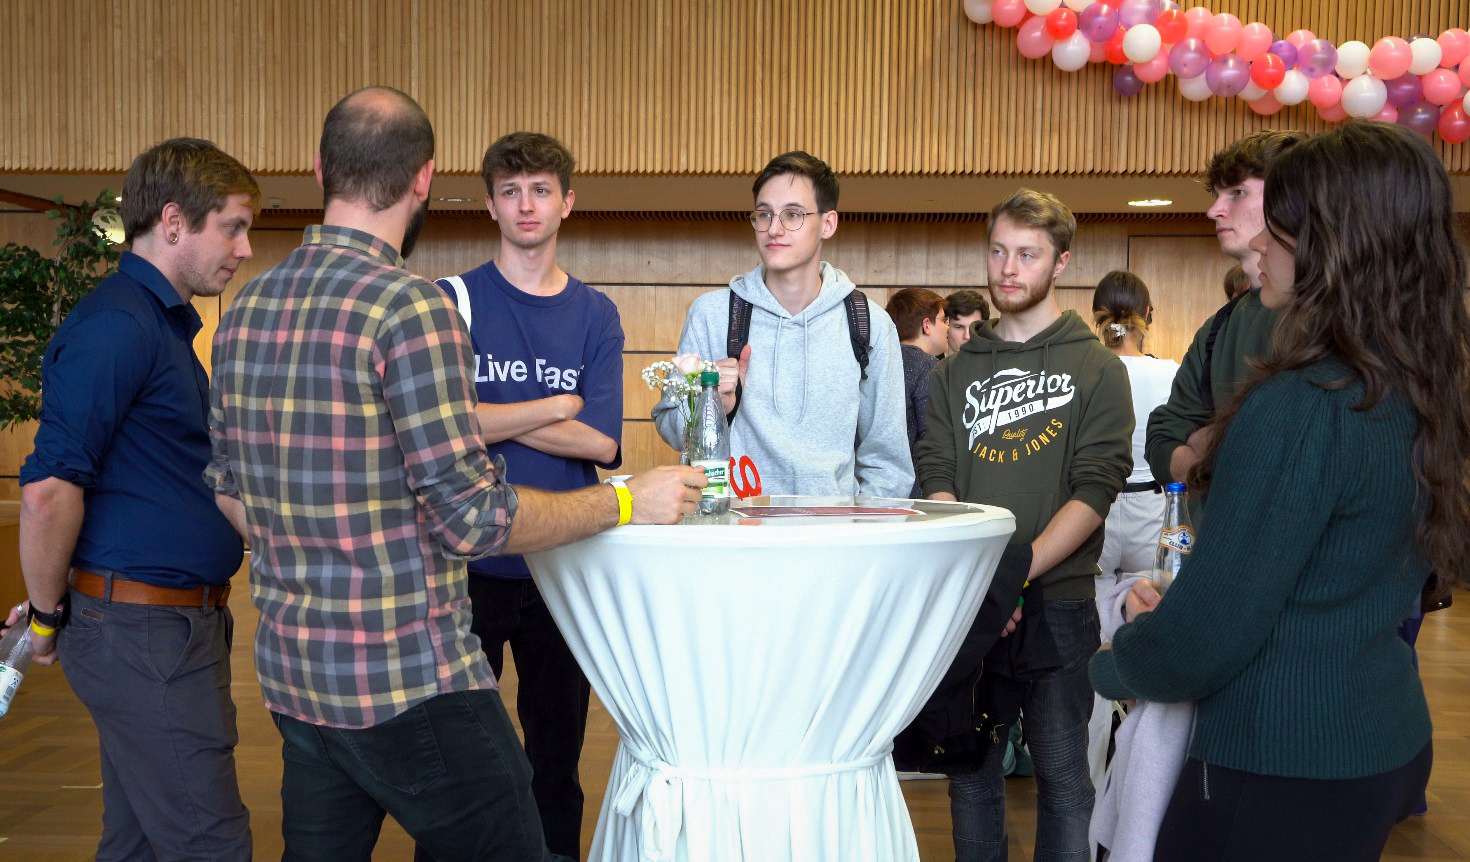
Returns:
<point x="1034" y="414"/>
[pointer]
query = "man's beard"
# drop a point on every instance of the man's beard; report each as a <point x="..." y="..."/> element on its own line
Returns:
<point x="1019" y="304"/>
<point x="415" y="226"/>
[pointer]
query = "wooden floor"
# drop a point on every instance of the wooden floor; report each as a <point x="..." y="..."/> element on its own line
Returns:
<point x="51" y="808"/>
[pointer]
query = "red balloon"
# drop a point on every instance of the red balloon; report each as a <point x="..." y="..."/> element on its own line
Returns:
<point x="1454" y="126"/>
<point x="1114" y="49"/>
<point x="1061" y="23"/>
<point x="1171" y="25"/>
<point x="1268" y="71"/>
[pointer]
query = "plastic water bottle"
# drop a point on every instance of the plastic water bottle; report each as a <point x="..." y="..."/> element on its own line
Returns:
<point x="709" y="445"/>
<point x="1176" y="540"/>
<point x="16" y="653"/>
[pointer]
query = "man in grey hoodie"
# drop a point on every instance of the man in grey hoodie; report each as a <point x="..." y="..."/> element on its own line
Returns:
<point x="1034" y="414"/>
<point x="797" y="418"/>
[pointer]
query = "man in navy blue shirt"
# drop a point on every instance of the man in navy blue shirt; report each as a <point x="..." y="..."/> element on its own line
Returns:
<point x="548" y="373"/>
<point x="113" y="501"/>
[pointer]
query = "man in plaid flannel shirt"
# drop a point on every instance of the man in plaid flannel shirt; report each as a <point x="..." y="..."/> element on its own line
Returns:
<point x="347" y="452"/>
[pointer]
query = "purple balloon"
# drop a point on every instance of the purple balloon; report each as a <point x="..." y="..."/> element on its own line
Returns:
<point x="1227" y="75"/>
<point x="1098" y="22"/>
<point x="1286" y="51"/>
<point x="1405" y="90"/>
<point x="1135" y="12"/>
<point x="1422" y="118"/>
<point x="1127" y="83"/>
<point x="1316" y="58"/>
<point x="1189" y="58"/>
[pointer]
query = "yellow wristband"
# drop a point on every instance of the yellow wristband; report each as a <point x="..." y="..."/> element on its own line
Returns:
<point x="625" y="500"/>
<point x="43" y="631"/>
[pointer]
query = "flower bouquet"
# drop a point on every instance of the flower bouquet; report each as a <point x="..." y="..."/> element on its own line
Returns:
<point x="679" y="378"/>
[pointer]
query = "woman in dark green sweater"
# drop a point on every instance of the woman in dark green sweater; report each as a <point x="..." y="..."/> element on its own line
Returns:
<point x="1337" y="482"/>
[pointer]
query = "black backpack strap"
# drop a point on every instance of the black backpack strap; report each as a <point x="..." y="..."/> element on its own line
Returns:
<point x="736" y="335"/>
<point x="1207" y="388"/>
<point x="858" y="328"/>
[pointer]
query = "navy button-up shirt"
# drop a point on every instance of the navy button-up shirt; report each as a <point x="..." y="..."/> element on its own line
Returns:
<point x="124" y="407"/>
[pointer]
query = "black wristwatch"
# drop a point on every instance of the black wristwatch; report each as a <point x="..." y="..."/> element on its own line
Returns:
<point x="53" y="621"/>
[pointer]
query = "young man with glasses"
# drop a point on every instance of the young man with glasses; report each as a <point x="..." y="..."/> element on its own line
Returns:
<point x="790" y="388"/>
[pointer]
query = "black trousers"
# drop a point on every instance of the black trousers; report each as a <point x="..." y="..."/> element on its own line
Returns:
<point x="551" y="701"/>
<point x="1225" y="814"/>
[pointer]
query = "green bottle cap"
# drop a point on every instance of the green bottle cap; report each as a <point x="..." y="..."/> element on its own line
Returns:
<point x="709" y="378"/>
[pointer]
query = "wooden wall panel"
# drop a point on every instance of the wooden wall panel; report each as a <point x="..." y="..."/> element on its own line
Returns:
<point x="902" y="87"/>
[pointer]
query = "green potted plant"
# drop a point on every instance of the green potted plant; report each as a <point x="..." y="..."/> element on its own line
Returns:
<point x="37" y="292"/>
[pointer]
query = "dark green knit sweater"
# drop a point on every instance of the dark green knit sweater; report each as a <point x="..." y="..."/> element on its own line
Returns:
<point x="1282" y="623"/>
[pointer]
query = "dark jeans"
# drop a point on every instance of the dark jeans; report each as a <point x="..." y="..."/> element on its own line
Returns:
<point x="1055" y="710"/>
<point x="157" y="683"/>
<point x="449" y="770"/>
<point x="1225" y="814"/>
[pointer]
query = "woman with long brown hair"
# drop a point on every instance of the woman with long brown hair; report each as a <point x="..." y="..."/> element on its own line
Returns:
<point x="1337" y="482"/>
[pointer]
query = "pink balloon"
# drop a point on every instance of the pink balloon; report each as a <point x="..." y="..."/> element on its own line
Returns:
<point x="1154" y="70"/>
<point x="1008" y="13"/>
<point x="1301" y="37"/>
<point x="1099" y="52"/>
<point x="1222" y="34"/>
<point x="1325" y="91"/>
<point x="1255" y="40"/>
<point x="1266" y="105"/>
<point x="1465" y="72"/>
<point x="1195" y="20"/>
<point x="1390" y="58"/>
<point x="1389" y="114"/>
<point x="1334" y="113"/>
<point x="1454" y="46"/>
<point x="1454" y="126"/>
<point x="1441" y="86"/>
<point x="1032" y="39"/>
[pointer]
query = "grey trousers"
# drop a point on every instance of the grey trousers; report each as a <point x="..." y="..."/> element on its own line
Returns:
<point x="157" y="683"/>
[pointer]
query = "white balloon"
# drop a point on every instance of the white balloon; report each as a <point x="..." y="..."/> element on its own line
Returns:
<point x="1142" y="42"/>
<point x="1364" y="96"/>
<point x="1042" y="7"/>
<point x="1352" y="60"/>
<point x="1252" y="92"/>
<point x="1293" y="88"/>
<point x="1071" y="53"/>
<point x="1195" y="89"/>
<point x="1077" y="5"/>
<point x="979" y="11"/>
<point x="1427" y="54"/>
<point x="1466" y="104"/>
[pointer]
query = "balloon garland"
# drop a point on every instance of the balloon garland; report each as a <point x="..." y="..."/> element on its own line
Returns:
<point x="1422" y="83"/>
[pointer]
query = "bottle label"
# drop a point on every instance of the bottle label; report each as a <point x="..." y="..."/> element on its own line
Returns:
<point x="9" y="681"/>
<point x="718" y="474"/>
<point x="1179" y="539"/>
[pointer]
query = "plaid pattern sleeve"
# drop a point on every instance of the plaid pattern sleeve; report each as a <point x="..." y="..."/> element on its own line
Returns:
<point x="342" y="416"/>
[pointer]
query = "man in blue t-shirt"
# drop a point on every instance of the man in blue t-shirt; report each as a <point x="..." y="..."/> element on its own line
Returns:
<point x="548" y="373"/>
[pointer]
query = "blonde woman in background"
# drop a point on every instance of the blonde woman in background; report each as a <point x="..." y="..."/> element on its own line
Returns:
<point x="1122" y="312"/>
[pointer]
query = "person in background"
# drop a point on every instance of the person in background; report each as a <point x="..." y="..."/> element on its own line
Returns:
<point x="1236" y="282"/>
<point x="1338" y="480"/>
<point x="1122" y="313"/>
<point x="963" y="309"/>
<point x="918" y="313"/>
<point x="555" y="422"/>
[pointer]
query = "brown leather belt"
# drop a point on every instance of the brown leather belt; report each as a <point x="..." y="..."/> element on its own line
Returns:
<point x="139" y="593"/>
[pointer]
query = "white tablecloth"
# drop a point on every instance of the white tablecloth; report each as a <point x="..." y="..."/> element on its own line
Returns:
<point x="759" y="673"/>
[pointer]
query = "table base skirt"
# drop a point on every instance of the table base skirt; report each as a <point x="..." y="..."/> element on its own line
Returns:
<point x="853" y="814"/>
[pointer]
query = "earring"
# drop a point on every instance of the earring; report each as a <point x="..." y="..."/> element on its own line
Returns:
<point x="173" y="238"/>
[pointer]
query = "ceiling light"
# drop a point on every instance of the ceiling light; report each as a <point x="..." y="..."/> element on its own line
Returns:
<point x="1150" y="202"/>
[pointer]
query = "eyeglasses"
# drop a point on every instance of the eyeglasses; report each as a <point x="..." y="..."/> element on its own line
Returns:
<point x="790" y="219"/>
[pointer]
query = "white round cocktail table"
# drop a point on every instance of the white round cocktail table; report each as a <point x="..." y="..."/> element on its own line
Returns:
<point x="759" y="669"/>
